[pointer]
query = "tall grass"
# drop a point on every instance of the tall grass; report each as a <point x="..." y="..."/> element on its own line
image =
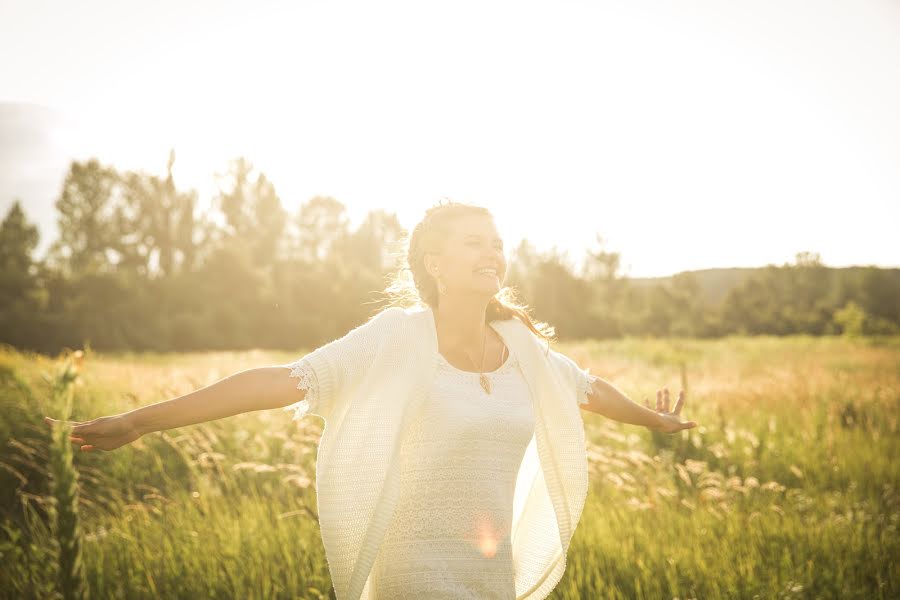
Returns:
<point x="787" y="489"/>
<point x="64" y="480"/>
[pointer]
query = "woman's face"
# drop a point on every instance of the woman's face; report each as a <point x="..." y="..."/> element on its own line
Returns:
<point x="473" y="244"/>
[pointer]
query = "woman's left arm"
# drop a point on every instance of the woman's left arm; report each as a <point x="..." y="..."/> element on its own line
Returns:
<point x="607" y="400"/>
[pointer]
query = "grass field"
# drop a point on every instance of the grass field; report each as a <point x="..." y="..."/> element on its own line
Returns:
<point x="788" y="488"/>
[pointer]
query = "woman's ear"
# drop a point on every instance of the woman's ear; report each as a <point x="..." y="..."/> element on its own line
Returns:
<point x="430" y="265"/>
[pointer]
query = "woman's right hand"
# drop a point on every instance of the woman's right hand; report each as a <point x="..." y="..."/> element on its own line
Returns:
<point x="105" y="433"/>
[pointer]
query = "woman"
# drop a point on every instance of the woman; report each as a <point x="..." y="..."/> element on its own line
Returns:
<point x="452" y="464"/>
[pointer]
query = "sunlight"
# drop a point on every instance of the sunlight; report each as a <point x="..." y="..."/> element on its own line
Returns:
<point x="582" y="121"/>
<point x="720" y="165"/>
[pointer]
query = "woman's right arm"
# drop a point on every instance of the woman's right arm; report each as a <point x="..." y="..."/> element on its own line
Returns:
<point x="261" y="388"/>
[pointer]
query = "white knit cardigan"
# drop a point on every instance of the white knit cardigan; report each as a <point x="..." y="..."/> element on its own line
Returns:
<point x="370" y="383"/>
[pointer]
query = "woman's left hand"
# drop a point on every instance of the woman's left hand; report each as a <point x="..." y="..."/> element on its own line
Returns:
<point x="669" y="421"/>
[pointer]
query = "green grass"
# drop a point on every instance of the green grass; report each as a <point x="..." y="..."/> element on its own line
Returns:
<point x="787" y="489"/>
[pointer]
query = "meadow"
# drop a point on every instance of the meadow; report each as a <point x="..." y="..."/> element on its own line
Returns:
<point x="788" y="488"/>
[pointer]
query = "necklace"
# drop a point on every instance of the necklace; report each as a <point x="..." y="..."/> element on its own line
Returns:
<point x="482" y="377"/>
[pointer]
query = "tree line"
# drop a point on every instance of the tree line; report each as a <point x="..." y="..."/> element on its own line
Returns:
<point x="138" y="266"/>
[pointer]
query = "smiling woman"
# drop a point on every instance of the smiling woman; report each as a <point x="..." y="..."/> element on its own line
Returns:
<point x="468" y="516"/>
<point x="453" y="461"/>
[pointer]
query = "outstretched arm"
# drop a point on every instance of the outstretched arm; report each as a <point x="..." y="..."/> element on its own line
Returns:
<point x="254" y="389"/>
<point x="607" y="400"/>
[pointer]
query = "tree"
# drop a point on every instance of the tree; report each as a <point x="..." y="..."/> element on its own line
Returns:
<point x="851" y="319"/>
<point x="558" y="296"/>
<point x="521" y="266"/>
<point x="18" y="239"/>
<point x="20" y="302"/>
<point x="254" y="217"/>
<point x="807" y="304"/>
<point x="322" y="225"/>
<point x="373" y="246"/>
<point x="157" y="224"/>
<point x="88" y="236"/>
<point x="878" y="292"/>
<point x="601" y="264"/>
<point x="601" y="270"/>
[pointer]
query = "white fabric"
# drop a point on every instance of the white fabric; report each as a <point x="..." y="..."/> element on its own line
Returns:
<point x="379" y="430"/>
<point x="302" y="369"/>
<point x="450" y="534"/>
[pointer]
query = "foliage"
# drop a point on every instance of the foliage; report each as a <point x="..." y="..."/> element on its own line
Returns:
<point x="139" y="266"/>
<point x="787" y="488"/>
<point x="65" y="521"/>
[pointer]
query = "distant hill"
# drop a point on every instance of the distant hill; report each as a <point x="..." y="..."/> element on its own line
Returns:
<point x="716" y="283"/>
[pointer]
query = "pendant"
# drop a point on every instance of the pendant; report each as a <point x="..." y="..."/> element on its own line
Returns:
<point x="485" y="383"/>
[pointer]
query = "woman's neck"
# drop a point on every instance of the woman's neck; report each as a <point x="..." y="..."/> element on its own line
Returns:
<point x="461" y="323"/>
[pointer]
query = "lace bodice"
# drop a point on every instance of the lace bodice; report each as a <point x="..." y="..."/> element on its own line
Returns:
<point x="450" y="532"/>
<point x="302" y="370"/>
<point x="449" y="536"/>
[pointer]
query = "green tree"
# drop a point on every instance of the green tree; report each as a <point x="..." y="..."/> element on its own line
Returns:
<point x="851" y="319"/>
<point x="601" y="270"/>
<point x="879" y="290"/>
<point x="373" y="245"/>
<point x="18" y="239"/>
<point x="806" y="307"/>
<point x="157" y="225"/>
<point x="254" y="217"/>
<point x="87" y="209"/>
<point x="21" y="300"/>
<point x="558" y="295"/>
<point x="686" y="305"/>
<point x="322" y="226"/>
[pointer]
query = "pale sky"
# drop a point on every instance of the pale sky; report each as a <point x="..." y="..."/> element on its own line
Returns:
<point x="689" y="134"/>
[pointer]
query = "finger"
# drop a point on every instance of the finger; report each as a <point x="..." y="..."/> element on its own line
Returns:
<point x="658" y="399"/>
<point x="87" y="448"/>
<point x="51" y="421"/>
<point x="666" y="399"/>
<point x="77" y="439"/>
<point x="688" y="425"/>
<point x="679" y="403"/>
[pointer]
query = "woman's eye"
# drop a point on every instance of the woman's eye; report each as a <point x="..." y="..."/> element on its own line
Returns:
<point x="474" y="243"/>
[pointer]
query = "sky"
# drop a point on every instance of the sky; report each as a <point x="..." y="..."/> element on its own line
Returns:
<point x="688" y="135"/>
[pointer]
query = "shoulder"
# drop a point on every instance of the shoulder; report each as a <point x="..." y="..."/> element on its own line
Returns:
<point x="389" y="313"/>
<point x="514" y="328"/>
<point x="392" y="318"/>
<point x="373" y="329"/>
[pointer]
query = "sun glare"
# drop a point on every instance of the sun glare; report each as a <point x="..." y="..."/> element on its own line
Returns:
<point x="488" y="538"/>
<point x="678" y="144"/>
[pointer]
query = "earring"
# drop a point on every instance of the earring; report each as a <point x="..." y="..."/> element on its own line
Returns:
<point x="442" y="289"/>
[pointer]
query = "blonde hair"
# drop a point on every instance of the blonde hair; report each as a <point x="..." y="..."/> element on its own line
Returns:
<point x="429" y="235"/>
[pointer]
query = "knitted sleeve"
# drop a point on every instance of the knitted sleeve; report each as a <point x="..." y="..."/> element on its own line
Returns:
<point x="327" y="372"/>
<point x="583" y="378"/>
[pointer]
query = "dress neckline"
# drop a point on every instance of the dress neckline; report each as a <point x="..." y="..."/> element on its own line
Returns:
<point x="444" y="360"/>
<point x="502" y="367"/>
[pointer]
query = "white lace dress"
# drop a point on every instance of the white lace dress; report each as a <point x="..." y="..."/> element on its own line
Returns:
<point x="450" y="533"/>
